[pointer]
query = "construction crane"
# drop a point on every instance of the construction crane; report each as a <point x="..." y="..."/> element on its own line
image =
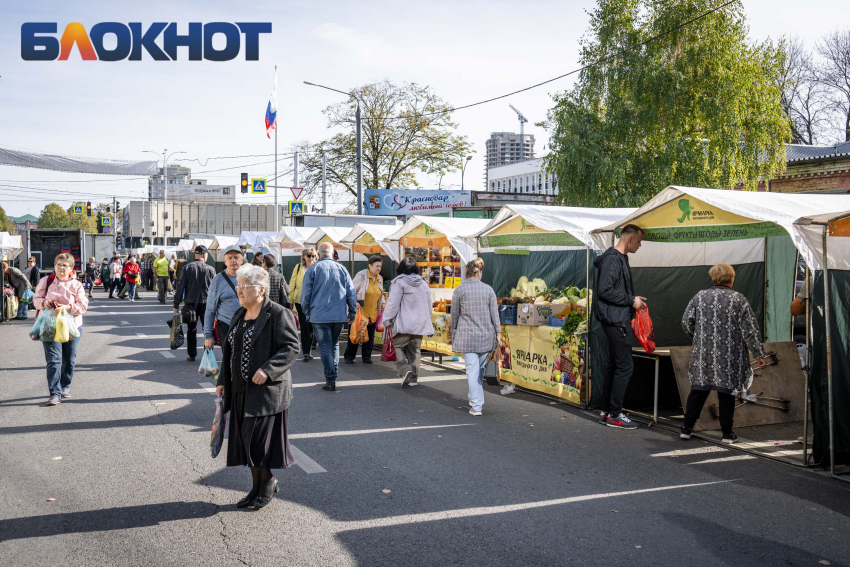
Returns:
<point x="522" y="121"/>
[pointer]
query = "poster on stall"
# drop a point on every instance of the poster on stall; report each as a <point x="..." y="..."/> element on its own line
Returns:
<point x="530" y="359"/>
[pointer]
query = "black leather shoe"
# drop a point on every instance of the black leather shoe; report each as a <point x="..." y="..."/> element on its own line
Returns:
<point x="367" y="362"/>
<point x="331" y="386"/>
<point x="263" y="501"/>
<point x="190" y="358"/>
<point x="348" y="361"/>
<point x="247" y="501"/>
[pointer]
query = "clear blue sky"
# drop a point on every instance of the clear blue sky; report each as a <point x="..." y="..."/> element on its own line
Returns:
<point x="465" y="50"/>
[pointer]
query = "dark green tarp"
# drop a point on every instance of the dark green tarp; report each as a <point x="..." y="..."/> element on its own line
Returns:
<point x="840" y="330"/>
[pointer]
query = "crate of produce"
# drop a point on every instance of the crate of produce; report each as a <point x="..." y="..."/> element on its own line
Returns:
<point x="507" y="314"/>
<point x="534" y="315"/>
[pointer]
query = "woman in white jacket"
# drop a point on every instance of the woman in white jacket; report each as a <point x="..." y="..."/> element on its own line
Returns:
<point x="369" y="287"/>
<point x="408" y="311"/>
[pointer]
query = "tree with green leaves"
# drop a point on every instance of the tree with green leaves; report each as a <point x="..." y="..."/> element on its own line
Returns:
<point x="699" y="105"/>
<point x="6" y="225"/>
<point x="407" y="130"/>
<point x="83" y="221"/>
<point x="53" y="216"/>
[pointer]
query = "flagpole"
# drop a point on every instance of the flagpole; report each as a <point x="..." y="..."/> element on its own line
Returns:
<point x="276" y="208"/>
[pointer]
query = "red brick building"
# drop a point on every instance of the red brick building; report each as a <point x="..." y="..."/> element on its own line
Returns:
<point x="813" y="168"/>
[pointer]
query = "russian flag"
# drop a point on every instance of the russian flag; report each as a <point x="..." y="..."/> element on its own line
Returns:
<point x="271" y="109"/>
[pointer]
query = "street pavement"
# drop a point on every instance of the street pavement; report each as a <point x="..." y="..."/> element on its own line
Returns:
<point x="121" y="474"/>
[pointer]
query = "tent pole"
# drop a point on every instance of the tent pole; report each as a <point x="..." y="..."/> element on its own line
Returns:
<point x="828" y="355"/>
<point x="764" y="299"/>
<point x="808" y="369"/>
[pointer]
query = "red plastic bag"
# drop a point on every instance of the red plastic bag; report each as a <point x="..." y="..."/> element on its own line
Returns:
<point x="379" y="324"/>
<point x="388" y="352"/>
<point x="642" y="327"/>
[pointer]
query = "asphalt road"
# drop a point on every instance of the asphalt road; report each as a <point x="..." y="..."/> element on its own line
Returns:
<point x="121" y="474"/>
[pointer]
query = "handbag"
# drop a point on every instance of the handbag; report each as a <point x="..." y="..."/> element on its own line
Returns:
<point x="491" y="369"/>
<point x="388" y="351"/>
<point x="190" y="314"/>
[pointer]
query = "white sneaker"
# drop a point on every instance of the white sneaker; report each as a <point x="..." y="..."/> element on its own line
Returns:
<point x="473" y="412"/>
<point x="405" y="381"/>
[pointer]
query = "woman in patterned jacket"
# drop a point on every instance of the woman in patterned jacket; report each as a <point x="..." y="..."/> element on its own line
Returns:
<point x="723" y="328"/>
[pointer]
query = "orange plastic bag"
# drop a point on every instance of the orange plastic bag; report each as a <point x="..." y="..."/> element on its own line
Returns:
<point x="358" y="333"/>
<point x="642" y="327"/>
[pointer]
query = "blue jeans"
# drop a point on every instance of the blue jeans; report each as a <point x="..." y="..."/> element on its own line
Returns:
<point x="60" y="359"/>
<point x="132" y="290"/>
<point x="23" y="309"/>
<point x="474" y="373"/>
<point x="327" y="336"/>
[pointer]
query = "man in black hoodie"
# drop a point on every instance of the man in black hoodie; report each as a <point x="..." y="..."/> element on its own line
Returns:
<point x="614" y="305"/>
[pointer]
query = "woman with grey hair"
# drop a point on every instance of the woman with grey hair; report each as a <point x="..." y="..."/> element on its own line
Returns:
<point x="723" y="328"/>
<point x="256" y="384"/>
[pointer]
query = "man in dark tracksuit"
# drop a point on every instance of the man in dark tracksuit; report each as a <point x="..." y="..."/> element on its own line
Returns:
<point x="192" y="288"/>
<point x="614" y="305"/>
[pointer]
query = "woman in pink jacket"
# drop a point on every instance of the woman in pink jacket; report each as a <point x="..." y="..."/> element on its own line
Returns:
<point x="63" y="291"/>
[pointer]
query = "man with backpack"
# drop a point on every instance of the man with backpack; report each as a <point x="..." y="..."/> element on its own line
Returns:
<point x="614" y="305"/>
<point x="192" y="289"/>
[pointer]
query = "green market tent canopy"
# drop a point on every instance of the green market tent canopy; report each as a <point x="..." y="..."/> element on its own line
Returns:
<point x="427" y="232"/>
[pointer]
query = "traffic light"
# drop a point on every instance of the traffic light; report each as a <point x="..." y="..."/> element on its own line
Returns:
<point x="244" y="182"/>
<point x="88" y="208"/>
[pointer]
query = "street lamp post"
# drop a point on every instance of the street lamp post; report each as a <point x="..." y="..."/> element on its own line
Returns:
<point x="463" y="170"/>
<point x="359" y="144"/>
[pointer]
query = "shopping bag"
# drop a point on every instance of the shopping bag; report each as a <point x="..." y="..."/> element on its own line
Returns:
<point x="208" y="366"/>
<point x="642" y="327"/>
<point x="176" y="336"/>
<point x="491" y="369"/>
<point x="379" y="324"/>
<point x="73" y="331"/>
<point x="35" y="332"/>
<point x="62" y="334"/>
<point x="27" y="296"/>
<point x="216" y="334"/>
<point x="218" y="428"/>
<point x="388" y="351"/>
<point x="358" y="333"/>
<point x="97" y="281"/>
<point x="48" y="326"/>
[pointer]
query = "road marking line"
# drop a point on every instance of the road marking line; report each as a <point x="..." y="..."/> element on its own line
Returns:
<point x="207" y="386"/>
<point x="322" y="434"/>
<point x="141" y="335"/>
<point x="112" y="313"/>
<point x="797" y="452"/>
<point x="754" y="445"/>
<point x="488" y="510"/>
<point x="696" y="451"/>
<point x="306" y="463"/>
<point x="724" y="460"/>
<point x="393" y="381"/>
<point x="166" y="354"/>
<point x="125" y="322"/>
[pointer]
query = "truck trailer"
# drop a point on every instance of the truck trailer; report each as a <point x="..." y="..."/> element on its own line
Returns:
<point x="47" y="243"/>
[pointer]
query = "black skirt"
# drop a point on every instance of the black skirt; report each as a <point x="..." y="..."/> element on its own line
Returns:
<point x="257" y="441"/>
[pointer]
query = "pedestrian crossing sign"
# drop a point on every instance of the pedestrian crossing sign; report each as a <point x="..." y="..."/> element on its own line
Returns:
<point x="105" y="221"/>
<point x="296" y="207"/>
<point x="78" y="209"/>
<point x="258" y="186"/>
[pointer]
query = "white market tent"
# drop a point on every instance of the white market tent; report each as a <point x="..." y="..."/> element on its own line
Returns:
<point x="185" y="244"/>
<point x="454" y="229"/>
<point x="253" y="239"/>
<point x="291" y="239"/>
<point x="372" y="239"/>
<point x="575" y="221"/>
<point x="685" y="226"/>
<point x="10" y="246"/>
<point x="745" y="215"/>
<point x="334" y="235"/>
<point x="219" y="243"/>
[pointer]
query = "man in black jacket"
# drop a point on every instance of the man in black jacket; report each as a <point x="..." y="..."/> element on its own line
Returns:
<point x="614" y="305"/>
<point x="192" y="289"/>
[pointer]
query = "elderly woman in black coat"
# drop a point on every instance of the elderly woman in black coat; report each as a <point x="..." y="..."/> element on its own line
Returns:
<point x="256" y="384"/>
